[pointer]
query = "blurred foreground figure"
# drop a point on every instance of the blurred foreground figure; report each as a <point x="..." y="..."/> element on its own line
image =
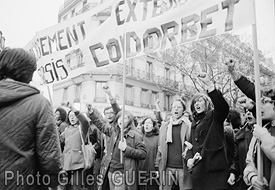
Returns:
<point x="29" y="143"/>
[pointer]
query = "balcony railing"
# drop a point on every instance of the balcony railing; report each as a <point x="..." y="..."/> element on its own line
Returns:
<point x="145" y="76"/>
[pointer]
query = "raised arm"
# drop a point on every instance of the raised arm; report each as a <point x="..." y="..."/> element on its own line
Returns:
<point x="221" y="108"/>
<point x="113" y="101"/>
<point x="246" y="86"/>
<point x="98" y="121"/>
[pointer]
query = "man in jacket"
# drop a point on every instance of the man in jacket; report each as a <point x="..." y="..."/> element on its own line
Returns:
<point x="29" y="143"/>
<point x="264" y="135"/>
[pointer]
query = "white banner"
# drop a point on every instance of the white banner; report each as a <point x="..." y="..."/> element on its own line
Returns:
<point x="84" y="43"/>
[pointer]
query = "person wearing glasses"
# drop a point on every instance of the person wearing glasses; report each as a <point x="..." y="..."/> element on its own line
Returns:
<point x="265" y="135"/>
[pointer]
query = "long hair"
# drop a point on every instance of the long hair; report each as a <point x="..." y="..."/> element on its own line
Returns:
<point x="17" y="64"/>
<point x="155" y="125"/>
<point x="207" y="100"/>
<point x="130" y="117"/>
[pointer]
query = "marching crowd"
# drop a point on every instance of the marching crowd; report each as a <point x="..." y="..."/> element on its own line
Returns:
<point x="203" y="144"/>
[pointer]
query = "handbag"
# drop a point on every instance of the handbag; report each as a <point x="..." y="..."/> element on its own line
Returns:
<point x="88" y="151"/>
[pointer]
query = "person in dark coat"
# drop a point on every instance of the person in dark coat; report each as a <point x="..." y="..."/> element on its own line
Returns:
<point x="242" y="139"/>
<point x="150" y="131"/>
<point x="121" y="175"/>
<point x="264" y="134"/>
<point x="29" y="142"/>
<point x="207" y="160"/>
<point x="62" y="123"/>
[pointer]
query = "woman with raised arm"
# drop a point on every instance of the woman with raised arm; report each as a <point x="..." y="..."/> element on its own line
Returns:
<point x="73" y="160"/>
<point x="207" y="160"/>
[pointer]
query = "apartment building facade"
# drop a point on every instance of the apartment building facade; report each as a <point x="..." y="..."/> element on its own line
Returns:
<point x="147" y="77"/>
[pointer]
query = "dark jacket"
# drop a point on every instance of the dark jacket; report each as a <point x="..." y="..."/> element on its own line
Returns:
<point x="135" y="150"/>
<point x="29" y="142"/>
<point x="162" y="154"/>
<point x="242" y="140"/>
<point x="207" y="137"/>
<point x="267" y="145"/>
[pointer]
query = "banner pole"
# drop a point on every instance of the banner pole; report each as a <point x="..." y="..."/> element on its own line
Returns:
<point x="257" y="96"/>
<point x="123" y="85"/>
<point x="50" y="96"/>
<point x="123" y="104"/>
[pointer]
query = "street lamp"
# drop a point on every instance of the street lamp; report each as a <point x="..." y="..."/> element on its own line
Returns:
<point x="2" y="41"/>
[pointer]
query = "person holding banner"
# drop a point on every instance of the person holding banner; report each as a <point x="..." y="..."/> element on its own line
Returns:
<point x="124" y="175"/>
<point x="207" y="160"/>
<point x="265" y="135"/>
<point x="29" y="143"/>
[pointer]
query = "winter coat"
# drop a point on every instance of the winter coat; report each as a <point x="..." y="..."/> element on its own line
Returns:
<point x="72" y="155"/>
<point x="242" y="141"/>
<point x="268" y="147"/>
<point x="248" y="89"/>
<point x="134" y="152"/>
<point x="207" y="138"/>
<point x="162" y="154"/>
<point x="29" y="142"/>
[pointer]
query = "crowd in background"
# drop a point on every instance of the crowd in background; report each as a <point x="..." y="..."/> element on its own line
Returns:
<point x="202" y="144"/>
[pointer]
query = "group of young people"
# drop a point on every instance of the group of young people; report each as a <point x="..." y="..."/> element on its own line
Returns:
<point x="186" y="150"/>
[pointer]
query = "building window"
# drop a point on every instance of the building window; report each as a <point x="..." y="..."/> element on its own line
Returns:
<point x="154" y="98"/>
<point x="77" y="92"/>
<point x="144" y="100"/>
<point x="129" y="95"/>
<point x="149" y="70"/>
<point x="167" y="102"/>
<point x="73" y="12"/>
<point x="65" y="95"/>
<point x="130" y="66"/>
<point x="167" y="73"/>
<point x="100" y="95"/>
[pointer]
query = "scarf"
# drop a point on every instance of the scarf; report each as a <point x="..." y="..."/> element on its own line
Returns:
<point x="170" y="125"/>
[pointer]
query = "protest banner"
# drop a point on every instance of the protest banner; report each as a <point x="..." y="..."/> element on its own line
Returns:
<point x="83" y="43"/>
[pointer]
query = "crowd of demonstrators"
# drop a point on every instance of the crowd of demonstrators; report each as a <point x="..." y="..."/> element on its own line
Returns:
<point x="213" y="147"/>
<point x="264" y="135"/>
<point x="29" y="141"/>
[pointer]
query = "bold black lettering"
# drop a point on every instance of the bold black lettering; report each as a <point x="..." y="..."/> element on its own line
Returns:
<point x="193" y="29"/>
<point x="156" y="8"/>
<point x="73" y="36"/>
<point x="168" y="26"/>
<point x="131" y="10"/>
<point x="59" y="64"/>
<point x="150" y="35"/>
<point x="93" y="48"/>
<point x="145" y="5"/>
<point x="229" y="5"/>
<point x="207" y="21"/>
<point x="113" y="46"/>
<point x="59" y="37"/>
<point x="51" y="41"/>
<point x="49" y="70"/>
<point x="42" y="46"/>
<point x="118" y="10"/>
<point x="134" y="36"/>
<point x="81" y="25"/>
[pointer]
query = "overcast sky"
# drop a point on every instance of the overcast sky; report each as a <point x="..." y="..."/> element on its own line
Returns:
<point x="21" y="19"/>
